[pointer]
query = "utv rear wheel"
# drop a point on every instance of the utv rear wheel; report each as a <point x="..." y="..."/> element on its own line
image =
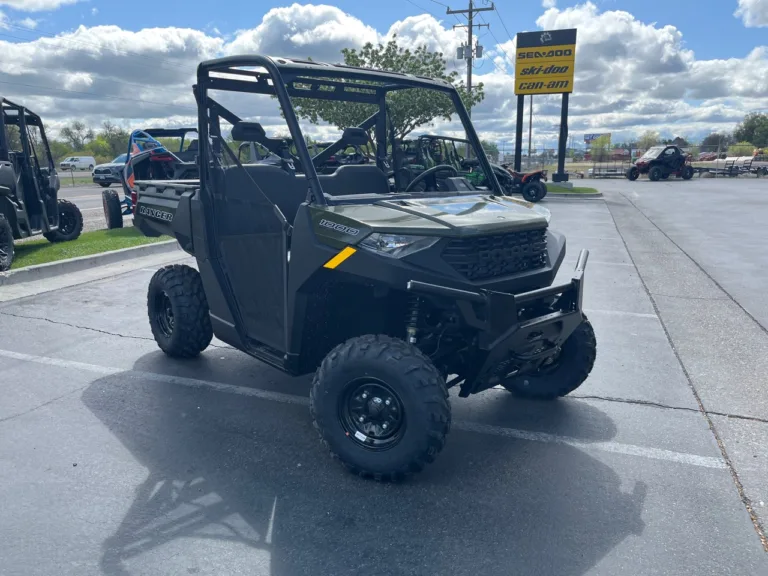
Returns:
<point x="380" y="407"/>
<point x="633" y="173"/>
<point x="534" y="191"/>
<point x="70" y="223"/>
<point x="6" y="244"/>
<point x="178" y="311"/>
<point x="655" y="173"/>
<point x="113" y="210"/>
<point x="687" y="173"/>
<point x="567" y="372"/>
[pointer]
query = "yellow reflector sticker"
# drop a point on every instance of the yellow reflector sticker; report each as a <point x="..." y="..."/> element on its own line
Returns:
<point x="340" y="257"/>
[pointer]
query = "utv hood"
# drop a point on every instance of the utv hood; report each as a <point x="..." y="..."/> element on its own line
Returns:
<point x="449" y="216"/>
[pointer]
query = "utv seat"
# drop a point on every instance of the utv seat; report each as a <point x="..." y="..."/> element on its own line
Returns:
<point x="355" y="179"/>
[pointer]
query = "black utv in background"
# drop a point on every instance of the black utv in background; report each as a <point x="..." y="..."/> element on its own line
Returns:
<point x="390" y="291"/>
<point x="29" y="184"/>
<point x="660" y="162"/>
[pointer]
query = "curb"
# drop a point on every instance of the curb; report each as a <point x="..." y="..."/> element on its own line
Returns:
<point x="51" y="269"/>
<point x="574" y="195"/>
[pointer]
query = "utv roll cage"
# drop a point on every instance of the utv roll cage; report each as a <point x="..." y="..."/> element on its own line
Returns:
<point x="285" y="79"/>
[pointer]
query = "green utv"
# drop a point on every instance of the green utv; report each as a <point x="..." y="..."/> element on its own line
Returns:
<point x="390" y="296"/>
<point x="29" y="185"/>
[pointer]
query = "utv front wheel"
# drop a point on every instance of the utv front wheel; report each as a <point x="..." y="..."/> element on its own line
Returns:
<point x="70" y="223"/>
<point x="380" y="407"/>
<point x="655" y="173"/>
<point x="113" y="210"/>
<point x="534" y="191"/>
<point x="633" y="173"/>
<point x="178" y="311"/>
<point x="6" y="244"/>
<point x="567" y="371"/>
<point x="687" y="172"/>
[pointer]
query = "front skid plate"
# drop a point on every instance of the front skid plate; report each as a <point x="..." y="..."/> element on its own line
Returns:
<point x="501" y="332"/>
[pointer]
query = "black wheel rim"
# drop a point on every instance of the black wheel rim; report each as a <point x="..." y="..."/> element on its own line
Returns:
<point x="67" y="222"/>
<point x="371" y="414"/>
<point x="164" y="314"/>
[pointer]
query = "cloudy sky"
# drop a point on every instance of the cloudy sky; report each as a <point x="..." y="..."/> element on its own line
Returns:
<point x="682" y="67"/>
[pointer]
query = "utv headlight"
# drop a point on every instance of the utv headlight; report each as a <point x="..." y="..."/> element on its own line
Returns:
<point x="397" y="245"/>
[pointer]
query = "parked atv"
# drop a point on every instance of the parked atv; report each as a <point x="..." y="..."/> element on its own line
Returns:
<point x="147" y="157"/>
<point x="661" y="162"/>
<point x="390" y="295"/>
<point x="528" y="184"/>
<point x="29" y="184"/>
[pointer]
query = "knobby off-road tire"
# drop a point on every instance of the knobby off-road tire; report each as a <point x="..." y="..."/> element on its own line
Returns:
<point x="534" y="191"/>
<point x="569" y="371"/>
<point x="178" y="311"/>
<point x="633" y="173"/>
<point x="113" y="209"/>
<point x="6" y="244"/>
<point x="655" y="173"/>
<point x="391" y="372"/>
<point x="70" y="223"/>
<point x="687" y="173"/>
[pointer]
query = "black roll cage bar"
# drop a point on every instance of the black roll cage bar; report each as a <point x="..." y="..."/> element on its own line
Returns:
<point x="285" y="78"/>
<point x="23" y="118"/>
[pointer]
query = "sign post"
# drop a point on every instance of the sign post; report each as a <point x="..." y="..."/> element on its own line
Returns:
<point x="544" y="64"/>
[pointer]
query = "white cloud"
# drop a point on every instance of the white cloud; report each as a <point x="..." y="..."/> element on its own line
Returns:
<point x="36" y="5"/>
<point x="754" y="13"/>
<point x="301" y="31"/>
<point x="28" y="23"/>
<point x="548" y="3"/>
<point x="630" y="75"/>
<point x="94" y="11"/>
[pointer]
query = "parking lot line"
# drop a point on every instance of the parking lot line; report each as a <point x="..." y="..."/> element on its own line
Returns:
<point x="612" y="447"/>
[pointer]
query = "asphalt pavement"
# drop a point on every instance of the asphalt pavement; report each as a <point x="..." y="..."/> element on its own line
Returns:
<point x="119" y="460"/>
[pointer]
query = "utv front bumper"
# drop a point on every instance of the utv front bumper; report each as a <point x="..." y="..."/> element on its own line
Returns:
<point x="516" y="333"/>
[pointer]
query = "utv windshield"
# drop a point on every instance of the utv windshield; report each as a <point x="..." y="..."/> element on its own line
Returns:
<point x="345" y="131"/>
<point x="652" y="153"/>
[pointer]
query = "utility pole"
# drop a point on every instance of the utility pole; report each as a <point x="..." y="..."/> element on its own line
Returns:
<point x="530" y="130"/>
<point x="468" y="52"/>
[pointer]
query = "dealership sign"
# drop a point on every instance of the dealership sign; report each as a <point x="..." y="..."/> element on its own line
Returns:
<point x="588" y="138"/>
<point x="545" y="61"/>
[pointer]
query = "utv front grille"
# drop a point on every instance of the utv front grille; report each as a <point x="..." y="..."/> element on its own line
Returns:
<point x="483" y="257"/>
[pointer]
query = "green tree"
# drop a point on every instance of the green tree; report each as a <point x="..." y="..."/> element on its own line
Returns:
<point x="116" y="137"/>
<point x="491" y="149"/>
<point x="711" y="142"/>
<point x="741" y="149"/>
<point x="77" y="135"/>
<point x="600" y="148"/>
<point x="754" y="128"/>
<point x="409" y="109"/>
<point x="647" y="139"/>
<point x="59" y="149"/>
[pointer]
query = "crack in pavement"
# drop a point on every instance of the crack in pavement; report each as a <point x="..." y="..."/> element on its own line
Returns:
<point x="665" y="406"/>
<point x="91" y="329"/>
<point x="745" y="500"/>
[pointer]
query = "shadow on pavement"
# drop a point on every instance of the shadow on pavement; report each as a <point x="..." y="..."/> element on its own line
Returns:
<point x="238" y="485"/>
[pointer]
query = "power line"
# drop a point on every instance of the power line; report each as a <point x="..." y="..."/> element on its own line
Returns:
<point x="502" y="21"/>
<point x="109" y="96"/>
<point x="422" y="8"/>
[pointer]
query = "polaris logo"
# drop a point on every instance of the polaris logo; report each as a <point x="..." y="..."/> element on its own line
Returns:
<point x="155" y="213"/>
<point x="339" y="227"/>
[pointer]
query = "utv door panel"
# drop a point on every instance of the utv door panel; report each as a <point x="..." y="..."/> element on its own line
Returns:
<point x="253" y="254"/>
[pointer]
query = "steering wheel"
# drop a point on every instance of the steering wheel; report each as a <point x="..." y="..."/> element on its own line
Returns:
<point x="429" y="172"/>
